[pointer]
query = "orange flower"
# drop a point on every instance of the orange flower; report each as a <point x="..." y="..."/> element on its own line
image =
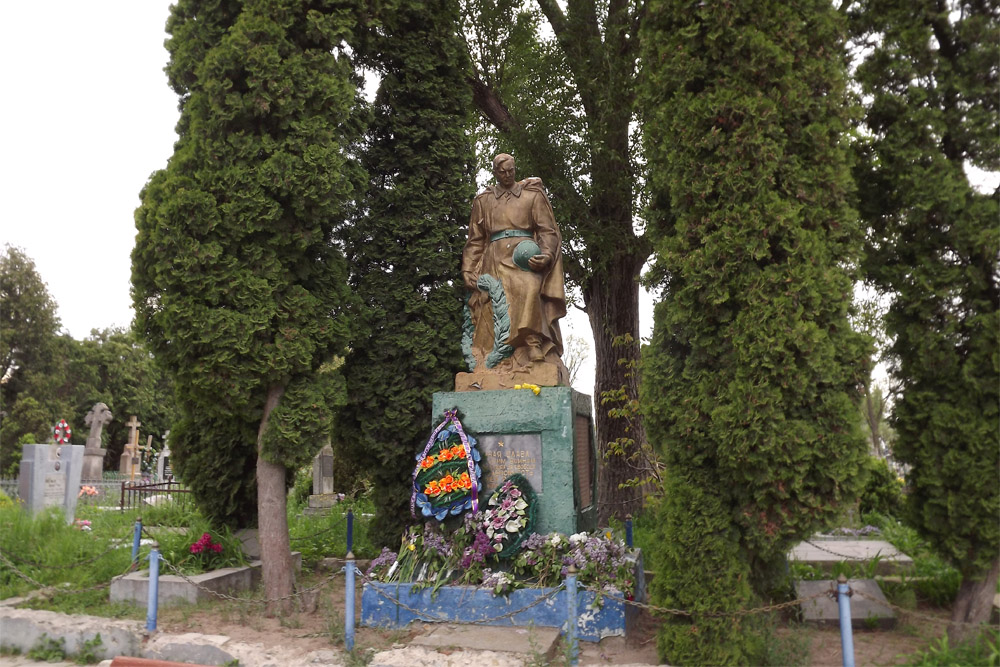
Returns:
<point x="432" y="488"/>
<point x="427" y="462"/>
<point x="458" y="451"/>
<point x="445" y="455"/>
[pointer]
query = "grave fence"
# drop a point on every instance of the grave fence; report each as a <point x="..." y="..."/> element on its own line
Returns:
<point x="139" y="493"/>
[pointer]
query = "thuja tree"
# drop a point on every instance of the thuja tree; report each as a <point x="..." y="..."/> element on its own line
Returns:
<point x="930" y="81"/>
<point x="236" y="282"/>
<point x="754" y="371"/>
<point x="556" y="83"/>
<point x="405" y="246"/>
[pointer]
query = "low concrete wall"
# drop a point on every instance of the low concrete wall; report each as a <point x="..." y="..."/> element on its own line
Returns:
<point x="23" y="629"/>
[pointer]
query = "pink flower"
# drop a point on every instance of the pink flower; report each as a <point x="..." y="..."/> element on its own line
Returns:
<point x="197" y="548"/>
<point x="217" y="548"/>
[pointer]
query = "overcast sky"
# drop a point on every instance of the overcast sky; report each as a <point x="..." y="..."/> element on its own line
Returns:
<point x="87" y="117"/>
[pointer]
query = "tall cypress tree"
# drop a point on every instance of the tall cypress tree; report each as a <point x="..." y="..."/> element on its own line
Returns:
<point x="405" y="248"/>
<point x="930" y="81"/>
<point x="754" y="372"/>
<point x="236" y="282"/>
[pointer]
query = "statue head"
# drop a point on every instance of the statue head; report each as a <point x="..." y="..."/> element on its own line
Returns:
<point x="503" y="169"/>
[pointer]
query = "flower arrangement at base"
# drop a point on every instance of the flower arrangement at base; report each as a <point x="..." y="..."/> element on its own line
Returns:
<point x="447" y="478"/>
<point x="509" y="515"/>
<point x="209" y="551"/>
<point x="428" y="558"/>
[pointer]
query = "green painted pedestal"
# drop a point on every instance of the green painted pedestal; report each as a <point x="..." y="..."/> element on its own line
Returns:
<point x="548" y="438"/>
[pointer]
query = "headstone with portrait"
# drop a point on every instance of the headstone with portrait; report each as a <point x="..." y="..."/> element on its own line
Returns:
<point x="50" y="477"/>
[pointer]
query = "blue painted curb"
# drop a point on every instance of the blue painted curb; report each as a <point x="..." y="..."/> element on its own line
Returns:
<point x="468" y="604"/>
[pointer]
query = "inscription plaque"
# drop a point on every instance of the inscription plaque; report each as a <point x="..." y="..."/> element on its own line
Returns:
<point x="54" y="491"/>
<point x="505" y="454"/>
<point x="327" y="462"/>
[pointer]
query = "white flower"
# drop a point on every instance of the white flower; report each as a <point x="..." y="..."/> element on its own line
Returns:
<point x="577" y="538"/>
<point x="556" y="539"/>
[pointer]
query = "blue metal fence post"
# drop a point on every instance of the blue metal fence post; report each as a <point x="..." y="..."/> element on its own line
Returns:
<point x="846" y="633"/>
<point x="154" y="586"/>
<point x="136" y="537"/>
<point x="574" y="648"/>
<point x="349" y="602"/>
<point x="628" y="530"/>
<point x="350" y="530"/>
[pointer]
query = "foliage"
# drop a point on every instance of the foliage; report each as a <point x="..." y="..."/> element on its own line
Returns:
<point x="933" y="579"/>
<point x="321" y="536"/>
<point x="753" y="373"/>
<point x="883" y="490"/>
<point x="560" y="98"/>
<point x="237" y="286"/>
<point x="404" y="247"/>
<point x="88" y="653"/>
<point x="983" y="649"/>
<point x="928" y="74"/>
<point x="48" y="649"/>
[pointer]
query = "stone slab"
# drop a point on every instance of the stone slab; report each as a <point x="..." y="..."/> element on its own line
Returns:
<point x="567" y="497"/>
<point x="865" y="612"/>
<point x="530" y="641"/>
<point x="174" y="589"/>
<point x="398" y="605"/>
<point x="825" y="553"/>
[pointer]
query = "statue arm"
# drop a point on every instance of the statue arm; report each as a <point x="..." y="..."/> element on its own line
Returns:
<point x="547" y="234"/>
<point x="472" y="256"/>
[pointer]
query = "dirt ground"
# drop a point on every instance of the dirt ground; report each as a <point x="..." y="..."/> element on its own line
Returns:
<point x="319" y="626"/>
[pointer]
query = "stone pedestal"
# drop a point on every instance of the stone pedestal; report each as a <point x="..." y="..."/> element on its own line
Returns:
<point x="50" y="477"/>
<point x="548" y="438"/>
<point x="508" y="374"/>
<point x="93" y="464"/>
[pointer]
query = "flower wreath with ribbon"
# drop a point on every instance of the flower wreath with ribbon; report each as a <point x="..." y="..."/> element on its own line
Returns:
<point x="62" y="432"/>
<point x="447" y="479"/>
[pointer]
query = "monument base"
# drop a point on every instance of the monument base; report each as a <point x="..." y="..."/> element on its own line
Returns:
<point x="93" y="464"/>
<point x="548" y="438"/>
<point x="508" y="374"/>
<point x="397" y="605"/>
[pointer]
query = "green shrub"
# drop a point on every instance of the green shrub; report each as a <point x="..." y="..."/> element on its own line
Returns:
<point x="883" y="492"/>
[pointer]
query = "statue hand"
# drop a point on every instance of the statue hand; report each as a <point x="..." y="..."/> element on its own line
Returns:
<point x="540" y="262"/>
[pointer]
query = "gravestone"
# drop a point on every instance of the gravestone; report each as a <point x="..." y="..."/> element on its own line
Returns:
<point x="323" y="471"/>
<point x="163" y="469"/>
<point x="93" y="455"/>
<point x="50" y="477"/>
<point x="323" y="497"/>
<point x="129" y="463"/>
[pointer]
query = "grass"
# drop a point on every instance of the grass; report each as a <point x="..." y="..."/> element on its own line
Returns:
<point x="79" y="564"/>
<point x="323" y="536"/>
<point x="983" y="650"/>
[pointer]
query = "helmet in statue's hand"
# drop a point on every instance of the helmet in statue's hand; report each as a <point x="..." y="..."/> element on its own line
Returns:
<point x="524" y="251"/>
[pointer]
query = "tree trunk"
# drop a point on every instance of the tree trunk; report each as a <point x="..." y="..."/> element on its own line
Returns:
<point x="973" y="605"/>
<point x="272" y="521"/>
<point x="613" y="308"/>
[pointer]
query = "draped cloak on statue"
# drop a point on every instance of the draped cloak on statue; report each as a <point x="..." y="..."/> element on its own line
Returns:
<point x="500" y="220"/>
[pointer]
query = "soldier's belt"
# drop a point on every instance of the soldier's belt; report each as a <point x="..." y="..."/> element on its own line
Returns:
<point x="509" y="233"/>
